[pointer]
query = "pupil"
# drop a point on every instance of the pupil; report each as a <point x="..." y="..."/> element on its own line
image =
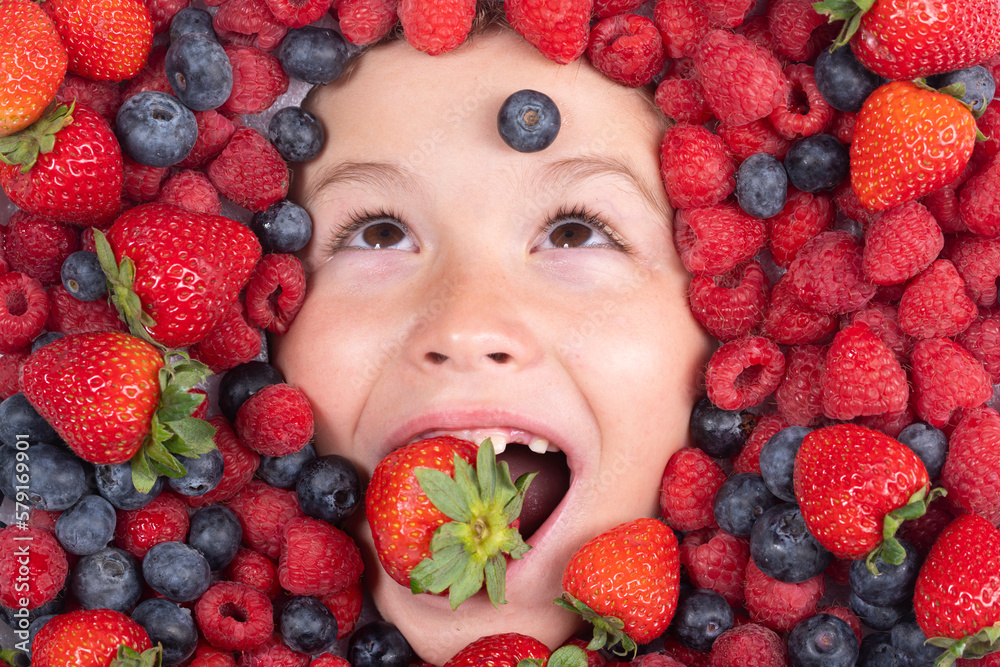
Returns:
<point x="383" y="235"/>
<point x="570" y="235"/>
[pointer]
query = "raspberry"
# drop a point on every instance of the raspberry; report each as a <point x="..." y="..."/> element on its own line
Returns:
<point x="901" y="243"/>
<point x="804" y="216"/>
<point x="275" y="421"/>
<point x="713" y="240"/>
<point x="946" y="377"/>
<point x="757" y="30"/>
<point x="329" y="660"/>
<point x="214" y="131"/>
<point x="263" y="511"/>
<point x="978" y="262"/>
<point x="682" y="24"/>
<point x="750" y="644"/>
<point x="695" y="166"/>
<point x="366" y="21"/>
<point x="605" y="8"/>
<point x="979" y="201"/>
<point x="792" y="23"/>
<point x="716" y="560"/>
<point x="682" y="99"/>
<point x="276" y="291"/>
<point x="69" y="315"/>
<point x="250" y="18"/>
<point x="316" y="558"/>
<point x="558" y="30"/>
<point x="436" y="26"/>
<point x="971" y="473"/>
<point x="743" y="372"/>
<point x="727" y="13"/>
<point x="10" y="368"/>
<point x="827" y="274"/>
<point x="627" y="48"/>
<point x="730" y="305"/>
<point x="104" y="97"/>
<point x="748" y="460"/>
<point x="788" y="322"/>
<point x="151" y="77"/>
<point x="233" y="341"/>
<point x="655" y="660"/>
<point x="757" y="136"/>
<point x="982" y="339"/>
<point x="234" y="617"/>
<point x="862" y="376"/>
<point x="162" y="12"/>
<point x="345" y="605"/>
<point x="249" y="171"/>
<point x="258" y="80"/>
<point x="800" y="395"/>
<point x="848" y="203"/>
<point x="935" y="304"/>
<point x="209" y="656"/>
<point x="683" y="654"/>
<point x="193" y="191"/>
<point x="883" y="320"/>
<point x="742" y="81"/>
<point x="142" y="182"/>
<point x="298" y="13"/>
<point x="795" y="118"/>
<point x="923" y="531"/>
<point x="687" y="489"/>
<point x="164" y="519"/>
<point x="989" y="125"/>
<point x="24" y="306"/>
<point x="255" y="570"/>
<point x="33" y="567"/>
<point x="778" y="605"/>
<point x="273" y="653"/>
<point x="240" y="463"/>
<point x="842" y="126"/>
<point x="37" y="247"/>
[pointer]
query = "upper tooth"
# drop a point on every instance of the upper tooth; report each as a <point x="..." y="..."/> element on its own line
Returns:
<point x="538" y="445"/>
<point x="499" y="443"/>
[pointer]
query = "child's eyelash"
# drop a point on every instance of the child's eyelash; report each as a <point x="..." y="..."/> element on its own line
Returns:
<point x="585" y="215"/>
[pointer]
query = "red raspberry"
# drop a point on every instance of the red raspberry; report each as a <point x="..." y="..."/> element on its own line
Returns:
<point x="743" y="372"/>
<point x="922" y="532"/>
<point x="800" y="395"/>
<point x="263" y="511"/>
<point x="273" y="653"/>
<point x="794" y="117"/>
<point x="104" y="97"/>
<point x="233" y="341"/>
<point x="275" y="421"/>
<point x="717" y="561"/>
<point x="69" y="315"/>
<point x="846" y="615"/>
<point x="250" y="18"/>
<point x="943" y="205"/>
<point x="715" y="239"/>
<point x="757" y="136"/>
<point x="742" y="81"/>
<point x="758" y="31"/>
<point x="209" y="656"/>
<point x="436" y="26"/>
<point x="900" y="243"/>
<point x="255" y="570"/>
<point x="345" y="605"/>
<point x="946" y="377"/>
<point x="366" y="21"/>
<point x="842" y="126"/>
<point x="682" y="24"/>
<point x="193" y="191"/>
<point x="982" y="339"/>
<point x="317" y="559"/>
<point x="37" y="247"/>
<point x="804" y="216"/>
<point x="258" y="79"/>
<point x="33" y="567"/>
<point x="163" y="11"/>
<point x="748" y="460"/>
<point x="749" y="644"/>
<point x="683" y="654"/>
<point x="839" y="570"/>
<point x="792" y="23"/>
<point x="687" y="489"/>
<point x="695" y="166"/>
<point x="605" y="8"/>
<point x="935" y="304"/>
<point x="971" y="473"/>
<point x="142" y="182"/>
<point x="329" y="660"/>
<point x="847" y="201"/>
<point x="788" y="322"/>
<point x="979" y="201"/>
<point x="298" y="13"/>
<point x="655" y="660"/>
<point x="24" y="306"/>
<point x="234" y="617"/>
<point x="164" y="519"/>
<point x="862" y="376"/>
<point x="627" y="48"/>
<point x="151" y="77"/>
<point x="559" y="30"/>
<point x="10" y="368"/>
<point x="883" y="320"/>
<point x="240" y="463"/>
<point x="249" y="171"/>
<point x="778" y="605"/>
<point x="730" y="305"/>
<point x="727" y="13"/>
<point x="276" y="291"/>
<point x="827" y="274"/>
<point x="989" y="125"/>
<point x="682" y="99"/>
<point x="978" y="262"/>
<point x="214" y="131"/>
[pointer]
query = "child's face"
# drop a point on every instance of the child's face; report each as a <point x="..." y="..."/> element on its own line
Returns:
<point x="472" y="315"/>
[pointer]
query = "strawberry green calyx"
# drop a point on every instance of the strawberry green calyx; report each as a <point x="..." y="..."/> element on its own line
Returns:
<point x="23" y="147"/>
<point x="972" y="647"/>
<point x="120" y="278"/>
<point x="473" y="547"/>
<point x="9" y="656"/>
<point x="173" y="430"/>
<point x="564" y="656"/>
<point x="891" y="550"/>
<point x="848" y="11"/>
<point x="608" y="630"/>
<point x="129" y="657"/>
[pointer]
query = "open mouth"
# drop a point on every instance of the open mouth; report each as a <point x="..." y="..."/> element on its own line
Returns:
<point x="546" y="491"/>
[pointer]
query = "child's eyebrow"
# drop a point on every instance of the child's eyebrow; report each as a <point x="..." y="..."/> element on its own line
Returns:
<point x="381" y="176"/>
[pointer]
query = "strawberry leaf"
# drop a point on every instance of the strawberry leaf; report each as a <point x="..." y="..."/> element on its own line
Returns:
<point x="609" y="631"/>
<point x="848" y="11"/>
<point x="495" y="574"/>
<point x="444" y="492"/>
<point x="567" y="656"/>
<point x="23" y="147"/>
<point x="120" y="277"/>
<point x="143" y="477"/>
<point x="129" y="657"/>
<point x="890" y="549"/>
<point x="437" y="574"/>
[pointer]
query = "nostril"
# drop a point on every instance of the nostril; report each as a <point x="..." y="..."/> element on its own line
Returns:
<point x="436" y="358"/>
<point x="499" y="357"/>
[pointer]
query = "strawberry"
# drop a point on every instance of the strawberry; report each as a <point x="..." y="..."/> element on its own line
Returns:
<point x="957" y="598"/>
<point x="427" y="505"/>
<point x="67" y="166"/>
<point x="855" y="485"/>
<point x="501" y="650"/>
<point x="91" y="638"/>
<point x="33" y="60"/>
<point x="174" y="273"/>
<point x="908" y="141"/>
<point x="625" y="582"/>
<point x="106" y="40"/>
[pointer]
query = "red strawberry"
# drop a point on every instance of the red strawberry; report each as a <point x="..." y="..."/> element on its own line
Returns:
<point x="88" y="638"/>
<point x="413" y="493"/>
<point x="107" y="40"/>
<point x="502" y="650"/>
<point x="850" y="481"/>
<point x="629" y="573"/>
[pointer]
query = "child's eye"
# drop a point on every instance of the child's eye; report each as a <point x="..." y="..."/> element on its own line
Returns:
<point x="380" y="230"/>
<point x="578" y="228"/>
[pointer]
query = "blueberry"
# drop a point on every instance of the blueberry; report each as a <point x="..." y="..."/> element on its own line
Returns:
<point x="877" y="651"/>
<point x="107" y="579"/>
<point x="215" y="532"/>
<point x="19" y="418"/>
<point x="777" y="460"/>
<point x="283" y="471"/>
<point x="243" y="381"/>
<point x="329" y="489"/>
<point x="378" y="644"/>
<point x="297" y="134"/>
<point x="199" y="71"/>
<point x="54" y="476"/>
<point x="928" y="443"/>
<point x="203" y="474"/>
<point x="783" y="548"/>
<point x="893" y="584"/>
<point x="877" y="617"/>
<point x="282" y="227"/>
<point x="83" y="277"/>
<point x="528" y="121"/>
<point x="761" y="185"/>
<point x="53" y="607"/>
<point x="169" y="624"/>
<point x="980" y="87"/>
<point x="720" y="433"/>
<point x="176" y="571"/>
<point x="87" y="526"/>
<point x="843" y="81"/>
<point x="819" y="162"/>
<point x="908" y="639"/>
<point x="313" y="55"/>
<point x="155" y="129"/>
<point x="700" y="618"/>
<point x="191" y="20"/>
<point x="740" y="501"/>
<point x="45" y="338"/>
<point x="822" y="640"/>
<point x="307" y="626"/>
<point x="114" y="482"/>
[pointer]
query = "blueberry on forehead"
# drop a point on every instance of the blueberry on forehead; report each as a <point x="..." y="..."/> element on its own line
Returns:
<point x="528" y="121"/>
